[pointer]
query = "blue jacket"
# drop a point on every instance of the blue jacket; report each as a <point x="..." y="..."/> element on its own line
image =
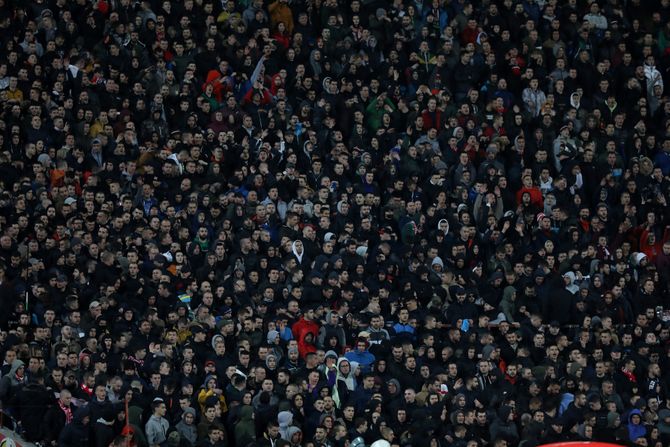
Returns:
<point x="365" y="359"/>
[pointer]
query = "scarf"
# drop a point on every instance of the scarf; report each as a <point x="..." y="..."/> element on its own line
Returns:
<point x="86" y="389"/>
<point x="67" y="411"/>
<point x="629" y="375"/>
<point x="138" y="362"/>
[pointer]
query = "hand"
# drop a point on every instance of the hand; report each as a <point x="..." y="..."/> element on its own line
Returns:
<point x="519" y="228"/>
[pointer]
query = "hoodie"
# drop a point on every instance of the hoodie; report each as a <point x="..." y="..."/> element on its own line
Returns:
<point x="571" y="287"/>
<point x="298" y="255"/>
<point x="290" y="432"/>
<point x="328" y="330"/>
<point x="188" y="432"/>
<point x="635" y="430"/>
<point x="303" y="326"/>
<point x="245" y="431"/>
<point x="501" y="427"/>
<point x="663" y="426"/>
<point x="76" y="433"/>
<point x="11" y="380"/>
<point x="345" y="384"/>
<point x="285" y="419"/>
<point x="508" y="303"/>
<point x="365" y="359"/>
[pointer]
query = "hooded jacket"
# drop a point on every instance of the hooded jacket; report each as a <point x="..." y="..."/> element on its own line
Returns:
<point x="305" y="346"/>
<point x="571" y="287"/>
<point x="10" y="381"/>
<point x="345" y="384"/>
<point x="188" y="432"/>
<point x="205" y="393"/>
<point x="303" y="326"/>
<point x="635" y="430"/>
<point x="365" y="359"/>
<point x="33" y="400"/>
<point x="245" y="431"/>
<point x="501" y="427"/>
<point x="290" y="432"/>
<point x="508" y="303"/>
<point x="328" y="330"/>
<point x="285" y="419"/>
<point x="76" y="433"/>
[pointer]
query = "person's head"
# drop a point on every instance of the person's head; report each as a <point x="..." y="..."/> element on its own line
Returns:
<point x="158" y="407"/>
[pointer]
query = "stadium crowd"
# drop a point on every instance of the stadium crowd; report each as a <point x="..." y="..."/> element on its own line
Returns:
<point x="333" y="223"/>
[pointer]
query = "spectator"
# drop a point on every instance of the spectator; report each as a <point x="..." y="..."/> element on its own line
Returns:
<point x="314" y="222"/>
<point x="157" y="426"/>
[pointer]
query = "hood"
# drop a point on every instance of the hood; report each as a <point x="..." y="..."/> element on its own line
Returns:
<point x="339" y="206"/>
<point x="397" y="387"/>
<point x="633" y="413"/>
<point x="440" y="222"/>
<point x="503" y="413"/>
<point x="246" y="413"/>
<point x="295" y="252"/>
<point x="339" y="362"/>
<point x="487" y="351"/>
<point x="575" y="100"/>
<point x="611" y="418"/>
<point x="188" y="410"/>
<point x="437" y="261"/>
<point x="285" y="418"/>
<point x="636" y="430"/>
<point x="663" y="427"/>
<point x="292" y="431"/>
<point x="271" y="336"/>
<point x="212" y="76"/>
<point x="599" y="276"/>
<point x="508" y="293"/>
<point x="267" y="358"/>
<point x="208" y="378"/>
<point x="637" y="258"/>
<point x="81" y="413"/>
<point x="516" y="143"/>
<point x="16" y="364"/>
<point x="571" y="287"/>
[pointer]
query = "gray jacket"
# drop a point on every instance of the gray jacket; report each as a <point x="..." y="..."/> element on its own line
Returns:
<point x="156" y="430"/>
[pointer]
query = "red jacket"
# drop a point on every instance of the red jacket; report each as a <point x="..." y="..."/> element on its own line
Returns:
<point x="535" y="196"/>
<point x="301" y="327"/>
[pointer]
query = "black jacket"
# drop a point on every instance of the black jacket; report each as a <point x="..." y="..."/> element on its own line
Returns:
<point x="33" y="401"/>
<point x="53" y="423"/>
<point x="75" y="434"/>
